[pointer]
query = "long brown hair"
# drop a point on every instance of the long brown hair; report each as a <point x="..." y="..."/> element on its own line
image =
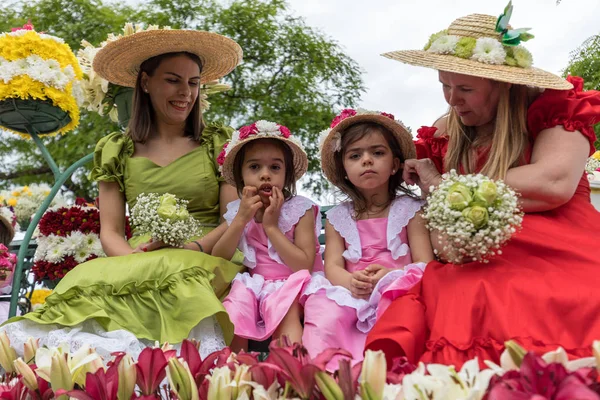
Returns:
<point x="289" y="184"/>
<point x="509" y="142"/>
<point x="142" y="123"/>
<point x="353" y="134"/>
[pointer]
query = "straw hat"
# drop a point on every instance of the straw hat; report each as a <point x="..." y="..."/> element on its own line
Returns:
<point x="119" y="61"/>
<point x="331" y="139"/>
<point x="261" y="130"/>
<point x="483" y="46"/>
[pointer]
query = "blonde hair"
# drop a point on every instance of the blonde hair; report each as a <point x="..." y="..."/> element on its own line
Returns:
<point x="509" y="142"/>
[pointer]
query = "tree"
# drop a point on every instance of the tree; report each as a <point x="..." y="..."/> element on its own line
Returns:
<point x="291" y="73"/>
<point x="585" y="62"/>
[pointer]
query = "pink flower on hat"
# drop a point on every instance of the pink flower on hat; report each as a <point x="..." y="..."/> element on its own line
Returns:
<point x="246" y="131"/>
<point x="348" y="112"/>
<point x="285" y="132"/>
<point x="390" y="116"/>
<point x="221" y="158"/>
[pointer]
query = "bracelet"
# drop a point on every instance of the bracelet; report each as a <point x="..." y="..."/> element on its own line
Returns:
<point x="199" y="245"/>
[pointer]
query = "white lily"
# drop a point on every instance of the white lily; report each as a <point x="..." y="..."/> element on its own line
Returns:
<point x="7" y="354"/>
<point x="31" y="347"/>
<point x="127" y="378"/>
<point x="392" y="392"/>
<point x="220" y="384"/>
<point x="27" y="373"/>
<point x="373" y="375"/>
<point x="77" y="364"/>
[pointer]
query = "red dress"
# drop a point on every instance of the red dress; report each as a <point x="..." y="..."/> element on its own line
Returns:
<point x="543" y="291"/>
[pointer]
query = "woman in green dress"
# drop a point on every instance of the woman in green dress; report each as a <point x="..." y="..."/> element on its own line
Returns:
<point x="143" y="291"/>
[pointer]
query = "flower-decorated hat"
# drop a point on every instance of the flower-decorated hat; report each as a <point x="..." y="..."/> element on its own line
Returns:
<point x="484" y="46"/>
<point x="119" y="61"/>
<point x="331" y="138"/>
<point x="261" y="130"/>
<point x="8" y="219"/>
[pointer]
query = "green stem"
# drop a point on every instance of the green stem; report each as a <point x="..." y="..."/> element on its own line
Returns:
<point x="60" y="180"/>
<point x="45" y="152"/>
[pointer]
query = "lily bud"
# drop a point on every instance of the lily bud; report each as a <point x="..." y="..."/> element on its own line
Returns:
<point x="181" y="380"/>
<point x="127" y="378"/>
<point x="60" y="375"/>
<point x="515" y="351"/>
<point x="241" y="375"/>
<point x="328" y="386"/>
<point x="29" y="378"/>
<point x="30" y="348"/>
<point x="7" y="354"/>
<point x="373" y="375"/>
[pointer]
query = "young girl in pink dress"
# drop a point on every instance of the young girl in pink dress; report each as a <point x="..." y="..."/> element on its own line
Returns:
<point x="276" y="230"/>
<point x="368" y="261"/>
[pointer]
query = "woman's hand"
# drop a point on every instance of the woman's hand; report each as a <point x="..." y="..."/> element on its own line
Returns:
<point x="150" y="245"/>
<point x="271" y="216"/>
<point x="360" y="285"/>
<point x="249" y="204"/>
<point x="421" y="172"/>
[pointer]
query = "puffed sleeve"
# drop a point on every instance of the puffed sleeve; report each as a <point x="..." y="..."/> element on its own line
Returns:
<point x="575" y="110"/>
<point x="432" y="147"/>
<point x="214" y="136"/>
<point x="109" y="158"/>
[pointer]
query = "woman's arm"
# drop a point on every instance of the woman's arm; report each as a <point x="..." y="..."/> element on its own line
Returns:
<point x="227" y="194"/>
<point x="551" y="178"/>
<point x="301" y="253"/>
<point x="419" y="240"/>
<point x="112" y="220"/>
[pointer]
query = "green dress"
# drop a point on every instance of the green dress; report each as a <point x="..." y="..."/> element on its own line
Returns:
<point x="160" y="295"/>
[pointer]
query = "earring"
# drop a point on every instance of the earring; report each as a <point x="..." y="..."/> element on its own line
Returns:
<point x="393" y="171"/>
<point x="146" y="90"/>
<point x="346" y="177"/>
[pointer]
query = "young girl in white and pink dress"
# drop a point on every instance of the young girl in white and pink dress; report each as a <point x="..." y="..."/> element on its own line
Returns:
<point x="276" y="230"/>
<point x="377" y="245"/>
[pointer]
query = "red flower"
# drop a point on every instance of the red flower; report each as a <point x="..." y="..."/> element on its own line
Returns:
<point x="348" y="112"/>
<point x="247" y="130"/>
<point x="221" y="158"/>
<point x="390" y="116"/>
<point x="285" y="132"/>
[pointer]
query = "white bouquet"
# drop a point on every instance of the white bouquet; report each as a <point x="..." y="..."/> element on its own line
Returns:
<point x="475" y="214"/>
<point x="164" y="218"/>
<point x="25" y="200"/>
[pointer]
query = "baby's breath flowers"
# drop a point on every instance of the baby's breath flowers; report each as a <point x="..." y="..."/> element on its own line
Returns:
<point x="474" y="214"/>
<point x="165" y="218"/>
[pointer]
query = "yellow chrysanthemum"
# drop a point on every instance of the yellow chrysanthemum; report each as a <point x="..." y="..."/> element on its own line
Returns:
<point x="596" y="155"/>
<point x="12" y="202"/>
<point x="20" y="45"/>
<point x="16" y="193"/>
<point x="39" y="296"/>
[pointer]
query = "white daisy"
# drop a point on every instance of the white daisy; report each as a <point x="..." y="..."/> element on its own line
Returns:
<point x="489" y="51"/>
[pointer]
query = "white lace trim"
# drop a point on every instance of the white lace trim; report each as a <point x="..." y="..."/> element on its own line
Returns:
<point x="259" y="285"/>
<point x="248" y="251"/>
<point x="402" y="210"/>
<point x="291" y="212"/>
<point x="340" y="218"/>
<point x="367" y="314"/>
<point x="208" y="332"/>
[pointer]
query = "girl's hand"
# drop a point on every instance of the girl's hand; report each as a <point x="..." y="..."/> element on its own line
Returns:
<point x="360" y="285"/>
<point x="249" y="205"/>
<point x="376" y="272"/>
<point x="421" y="172"/>
<point x="271" y="216"/>
<point x="150" y="245"/>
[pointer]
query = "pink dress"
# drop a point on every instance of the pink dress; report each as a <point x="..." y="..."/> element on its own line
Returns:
<point x="259" y="300"/>
<point x="332" y="316"/>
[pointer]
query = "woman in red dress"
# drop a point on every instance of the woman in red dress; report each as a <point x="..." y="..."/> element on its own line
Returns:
<point x="534" y="130"/>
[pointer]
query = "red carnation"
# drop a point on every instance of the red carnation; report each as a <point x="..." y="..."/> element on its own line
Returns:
<point x="221" y="158"/>
<point x="285" y="132"/>
<point x="348" y="112"/>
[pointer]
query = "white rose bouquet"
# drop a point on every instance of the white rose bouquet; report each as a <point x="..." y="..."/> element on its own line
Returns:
<point x="165" y="218"/>
<point x="475" y="214"/>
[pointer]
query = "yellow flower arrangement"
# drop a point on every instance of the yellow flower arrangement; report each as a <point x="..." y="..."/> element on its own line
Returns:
<point x="38" y="66"/>
<point x="39" y="297"/>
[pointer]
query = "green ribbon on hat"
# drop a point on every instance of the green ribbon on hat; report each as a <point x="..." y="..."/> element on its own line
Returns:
<point x="511" y="37"/>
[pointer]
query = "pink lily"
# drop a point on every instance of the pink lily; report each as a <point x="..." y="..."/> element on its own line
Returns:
<point x="151" y="371"/>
